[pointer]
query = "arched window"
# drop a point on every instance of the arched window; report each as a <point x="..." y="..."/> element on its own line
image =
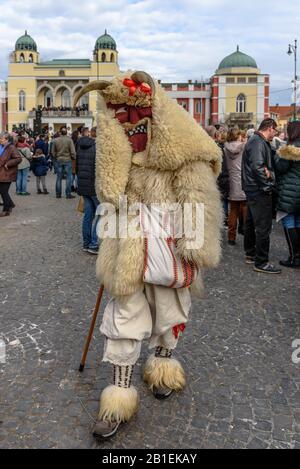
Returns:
<point x="66" y="98"/>
<point x="241" y="103"/>
<point x="48" y="101"/>
<point x="22" y="104"/>
<point x="103" y="57"/>
<point x="22" y="58"/>
<point x="30" y="58"/>
<point x="112" y="58"/>
<point x="84" y="102"/>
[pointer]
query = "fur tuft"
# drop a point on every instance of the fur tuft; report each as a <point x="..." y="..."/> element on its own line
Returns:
<point x="118" y="404"/>
<point x="289" y="152"/>
<point x="164" y="373"/>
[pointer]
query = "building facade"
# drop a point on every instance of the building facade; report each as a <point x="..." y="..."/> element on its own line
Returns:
<point x="51" y="86"/>
<point x="238" y="94"/>
<point x="195" y="97"/>
<point x="3" y="106"/>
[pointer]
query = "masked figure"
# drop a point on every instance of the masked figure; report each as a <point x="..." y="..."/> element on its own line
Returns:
<point x="152" y="151"/>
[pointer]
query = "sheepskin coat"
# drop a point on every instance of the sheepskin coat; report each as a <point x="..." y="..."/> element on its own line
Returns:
<point x="181" y="165"/>
<point x="287" y="167"/>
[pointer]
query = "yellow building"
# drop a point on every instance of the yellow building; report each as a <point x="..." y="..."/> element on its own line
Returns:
<point x="240" y="92"/>
<point x="53" y="84"/>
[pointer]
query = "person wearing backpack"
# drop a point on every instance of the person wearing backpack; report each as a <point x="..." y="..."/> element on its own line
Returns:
<point x="24" y="166"/>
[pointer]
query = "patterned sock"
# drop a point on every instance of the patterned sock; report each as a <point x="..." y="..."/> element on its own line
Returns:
<point x="162" y="352"/>
<point x="123" y="376"/>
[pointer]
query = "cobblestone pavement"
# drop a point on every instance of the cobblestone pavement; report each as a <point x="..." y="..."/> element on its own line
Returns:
<point x="243" y="389"/>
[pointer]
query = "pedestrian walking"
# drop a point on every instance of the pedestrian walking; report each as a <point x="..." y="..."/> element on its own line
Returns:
<point x="9" y="160"/>
<point x="258" y="183"/>
<point x="23" y="167"/>
<point x="40" y="168"/>
<point x="85" y="169"/>
<point x="287" y="166"/>
<point x="233" y="150"/>
<point x="63" y="152"/>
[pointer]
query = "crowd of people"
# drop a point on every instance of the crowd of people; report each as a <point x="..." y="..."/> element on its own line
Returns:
<point x="71" y="157"/>
<point x="259" y="182"/>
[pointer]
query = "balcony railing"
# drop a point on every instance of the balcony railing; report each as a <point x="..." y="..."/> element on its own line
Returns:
<point x="59" y="113"/>
<point x="241" y="116"/>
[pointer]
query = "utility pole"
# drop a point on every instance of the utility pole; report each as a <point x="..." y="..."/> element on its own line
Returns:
<point x="293" y="50"/>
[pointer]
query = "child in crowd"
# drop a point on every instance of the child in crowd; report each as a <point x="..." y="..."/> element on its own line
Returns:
<point x="39" y="169"/>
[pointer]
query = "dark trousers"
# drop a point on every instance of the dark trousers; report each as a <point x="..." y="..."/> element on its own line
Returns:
<point x="258" y="228"/>
<point x="7" y="202"/>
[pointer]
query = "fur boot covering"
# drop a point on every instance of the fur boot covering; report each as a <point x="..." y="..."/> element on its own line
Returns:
<point x="164" y="373"/>
<point x="118" y="404"/>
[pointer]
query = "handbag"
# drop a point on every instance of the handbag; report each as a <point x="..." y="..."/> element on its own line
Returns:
<point x="80" y="206"/>
<point x="162" y="264"/>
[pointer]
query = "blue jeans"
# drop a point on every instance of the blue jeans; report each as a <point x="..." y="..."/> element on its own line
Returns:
<point x="291" y="221"/>
<point x="89" y="232"/>
<point x="67" y="168"/>
<point x="21" y="183"/>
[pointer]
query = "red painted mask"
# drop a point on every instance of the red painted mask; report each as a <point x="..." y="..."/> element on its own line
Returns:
<point x="137" y="134"/>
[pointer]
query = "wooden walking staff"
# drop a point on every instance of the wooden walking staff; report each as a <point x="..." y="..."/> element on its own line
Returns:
<point x="92" y="327"/>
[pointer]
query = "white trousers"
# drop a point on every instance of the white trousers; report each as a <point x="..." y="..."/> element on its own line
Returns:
<point x="148" y="313"/>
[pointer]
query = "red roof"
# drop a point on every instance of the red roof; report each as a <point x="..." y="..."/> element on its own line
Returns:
<point x="282" y="111"/>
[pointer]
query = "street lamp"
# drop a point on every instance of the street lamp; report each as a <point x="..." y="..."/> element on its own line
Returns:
<point x="293" y="50"/>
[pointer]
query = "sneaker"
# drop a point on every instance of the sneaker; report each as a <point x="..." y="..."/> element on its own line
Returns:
<point x="104" y="429"/>
<point x="45" y="191"/>
<point x="250" y="259"/>
<point x="92" y="251"/>
<point x="85" y="249"/>
<point x="267" y="269"/>
<point x="39" y="191"/>
<point x="291" y="263"/>
<point x="231" y="243"/>
<point x="71" y="197"/>
<point x="25" y="193"/>
<point x="58" y="196"/>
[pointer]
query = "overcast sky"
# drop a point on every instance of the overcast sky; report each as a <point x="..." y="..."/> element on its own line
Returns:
<point x="175" y="40"/>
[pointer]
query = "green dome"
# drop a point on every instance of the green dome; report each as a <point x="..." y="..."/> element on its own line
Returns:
<point x="237" y="59"/>
<point x="105" y="42"/>
<point x="26" y="43"/>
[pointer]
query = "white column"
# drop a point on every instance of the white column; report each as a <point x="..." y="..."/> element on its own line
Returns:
<point x="191" y="106"/>
<point x="207" y="111"/>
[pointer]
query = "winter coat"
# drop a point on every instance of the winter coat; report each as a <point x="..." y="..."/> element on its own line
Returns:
<point x="257" y="157"/>
<point x="39" y="166"/>
<point x="11" y="158"/>
<point x="41" y="145"/>
<point x="287" y="166"/>
<point x="181" y="164"/>
<point x="25" y="154"/>
<point x="233" y="155"/>
<point x="63" y="149"/>
<point x="223" y="179"/>
<point x="86" y="166"/>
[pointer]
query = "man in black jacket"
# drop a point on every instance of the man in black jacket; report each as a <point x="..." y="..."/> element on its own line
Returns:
<point x="258" y="182"/>
<point x="85" y="170"/>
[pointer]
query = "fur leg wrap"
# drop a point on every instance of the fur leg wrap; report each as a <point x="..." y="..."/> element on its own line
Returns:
<point x="164" y="373"/>
<point x="118" y="404"/>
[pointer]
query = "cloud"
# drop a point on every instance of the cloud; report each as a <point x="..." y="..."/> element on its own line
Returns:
<point x="174" y="40"/>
